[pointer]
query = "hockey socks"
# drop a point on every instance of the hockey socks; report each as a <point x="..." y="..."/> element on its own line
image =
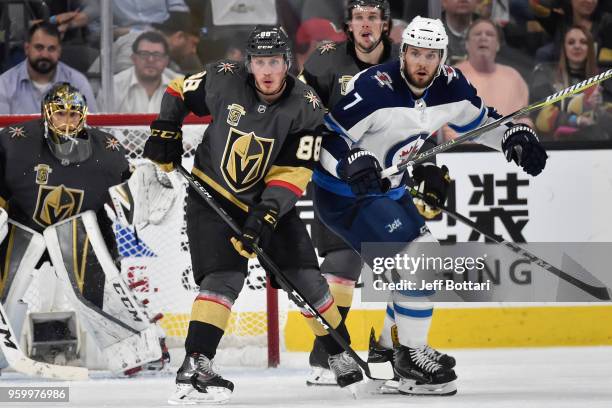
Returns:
<point x="209" y="318"/>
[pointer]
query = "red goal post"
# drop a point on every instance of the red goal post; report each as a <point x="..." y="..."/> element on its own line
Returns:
<point x="162" y="267"/>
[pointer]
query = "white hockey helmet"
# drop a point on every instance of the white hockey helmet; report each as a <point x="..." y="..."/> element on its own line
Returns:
<point x="425" y="32"/>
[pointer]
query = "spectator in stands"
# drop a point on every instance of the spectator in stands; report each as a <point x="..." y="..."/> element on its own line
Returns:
<point x="139" y="89"/>
<point x="556" y="16"/>
<point x="498" y="85"/>
<point x="128" y="15"/>
<point x="180" y="32"/>
<point x="397" y="28"/>
<point x="584" y="116"/>
<point x="457" y="15"/>
<point x="311" y="33"/>
<point x="23" y="86"/>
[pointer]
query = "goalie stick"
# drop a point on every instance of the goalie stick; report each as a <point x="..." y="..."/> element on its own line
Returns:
<point x="599" y="292"/>
<point x="574" y="89"/>
<point x="382" y="371"/>
<point x="21" y="363"/>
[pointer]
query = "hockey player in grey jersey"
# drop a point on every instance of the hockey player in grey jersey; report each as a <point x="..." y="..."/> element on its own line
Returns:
<point x="256" y="160"/>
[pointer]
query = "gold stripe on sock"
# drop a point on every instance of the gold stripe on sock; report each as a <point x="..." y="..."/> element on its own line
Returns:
<point x="343" y="294"/>
<point x="210" y="312"/>
<point x="332" y="315"/>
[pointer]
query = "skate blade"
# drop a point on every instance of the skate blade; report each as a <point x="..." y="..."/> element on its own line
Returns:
<point x="320" y="377"/>
<point x="410" y="387"/>
<point x="187" y="395"/>
<point x="378" y="387"/>
<point x="353" y="390"/>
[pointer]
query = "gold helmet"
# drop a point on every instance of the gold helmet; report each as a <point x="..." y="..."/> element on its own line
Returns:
<point x="59" y="106"/>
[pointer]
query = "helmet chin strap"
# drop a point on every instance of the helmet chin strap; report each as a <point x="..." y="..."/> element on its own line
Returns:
<point x="369" y="49"/>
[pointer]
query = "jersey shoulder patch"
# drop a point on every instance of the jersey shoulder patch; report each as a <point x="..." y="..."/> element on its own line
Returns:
<point x="226" y="67"/>
<point x="326" y="47"/>
<point x="450" y="73"/>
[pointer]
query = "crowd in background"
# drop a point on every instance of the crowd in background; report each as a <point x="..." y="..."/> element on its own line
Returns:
<point x="514" y="51"/>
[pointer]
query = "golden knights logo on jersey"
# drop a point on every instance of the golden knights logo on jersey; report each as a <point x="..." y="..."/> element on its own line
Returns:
<point x="42" y="173"/>
<point x="56" y="203"/>
<point x="245" y="159"/>
<point x="344" y="80"/>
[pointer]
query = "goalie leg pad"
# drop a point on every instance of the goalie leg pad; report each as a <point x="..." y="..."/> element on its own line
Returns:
<point x="104" y="303"/>
<point x="20" y="251"/>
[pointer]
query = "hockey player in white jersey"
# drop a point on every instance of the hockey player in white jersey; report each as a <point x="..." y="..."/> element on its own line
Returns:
<point x="387" y="114"/>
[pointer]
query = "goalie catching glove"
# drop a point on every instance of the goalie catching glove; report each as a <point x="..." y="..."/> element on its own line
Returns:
<point x="433" y="182"/>
<point x="257" y="230"/>
<point x="165" y="145"/>
<point x="520" y="144"/>
<point x="145" y="198"/>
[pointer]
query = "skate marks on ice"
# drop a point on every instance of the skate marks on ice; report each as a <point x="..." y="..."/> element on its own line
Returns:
<point x="538" y="378"/>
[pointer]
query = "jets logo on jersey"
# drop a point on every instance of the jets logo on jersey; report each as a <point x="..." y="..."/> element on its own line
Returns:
<point x="42" y="173"/>
<point x="235" y="113"/>
<point x="245" y="159"/>
<point x="326" y="47"/>
<point x="312" y="99"/>
<point x="344" y="80"/>
<point x="450" y="73"/>
<point x="383" y="79"/>
<point x="56" y="203"/>
<point x="225" y="67"/>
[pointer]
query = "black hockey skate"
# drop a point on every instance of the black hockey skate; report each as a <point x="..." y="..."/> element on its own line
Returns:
<point x="443" y="359"/>
<point x="320" y="374"/>
<point x="345" y="369"/>
<point x="198" y="383"/>
<point x="380" y="354"/>
<point x="420" y="375"/>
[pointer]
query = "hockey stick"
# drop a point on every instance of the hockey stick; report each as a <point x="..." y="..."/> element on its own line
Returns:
<point x="579" y="87"/>
<point x="20" y="363"/>
<point x="382" y="371"/>
<point x="599" y="292"/>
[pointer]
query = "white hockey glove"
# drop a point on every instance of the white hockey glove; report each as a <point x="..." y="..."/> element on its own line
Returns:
<point x="146" y="198"/>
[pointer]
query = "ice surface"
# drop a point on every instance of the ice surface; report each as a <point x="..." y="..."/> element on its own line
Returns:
<point x="499" y="378"/>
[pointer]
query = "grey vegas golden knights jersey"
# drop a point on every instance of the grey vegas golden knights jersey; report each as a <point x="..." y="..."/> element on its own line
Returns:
<point x="252" y="151"/>
<point x="39" y="191"/>
<point x="332" y="65"/>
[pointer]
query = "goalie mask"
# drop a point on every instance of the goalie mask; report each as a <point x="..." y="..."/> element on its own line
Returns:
<point x="64" y="111"/>
<point x="425" y="33"/>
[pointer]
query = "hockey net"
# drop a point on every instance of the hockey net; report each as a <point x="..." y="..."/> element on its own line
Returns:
<point x="157" y="263"/>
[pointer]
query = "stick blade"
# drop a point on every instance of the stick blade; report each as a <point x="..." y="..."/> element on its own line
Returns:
<point x="33" y="368"/>
<point x="380" y="371"/>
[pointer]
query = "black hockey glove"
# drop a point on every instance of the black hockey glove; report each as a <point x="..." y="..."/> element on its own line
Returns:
<point x="257" y="230"/>
<point x="165" y="145"/>
<point x="520" y="144"/>
<point x="431" y="181"/>
<point x="361" y="171"/>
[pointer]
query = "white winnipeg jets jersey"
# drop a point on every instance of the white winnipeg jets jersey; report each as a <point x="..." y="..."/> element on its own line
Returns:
<point x="380" y="114"/>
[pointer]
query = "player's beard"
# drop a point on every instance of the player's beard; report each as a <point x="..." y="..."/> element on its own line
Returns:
<point x="42" y="65"/>
<point x="419" y="84"/>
